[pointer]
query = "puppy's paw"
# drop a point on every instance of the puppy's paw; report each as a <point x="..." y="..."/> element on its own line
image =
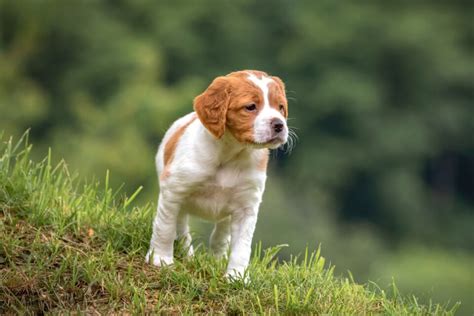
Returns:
<point x="190" y="252"/>
<point x="220" y="253"/>
<point x="237" y="275"/>
<point x="157" y="260"/>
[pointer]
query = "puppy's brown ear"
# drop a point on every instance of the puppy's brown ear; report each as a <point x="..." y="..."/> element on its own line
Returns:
<point x="211" y="106"/>
<point x="281" y="85"/>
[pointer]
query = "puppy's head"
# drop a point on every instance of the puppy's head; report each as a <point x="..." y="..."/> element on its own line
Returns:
<point x="250" y="104"/>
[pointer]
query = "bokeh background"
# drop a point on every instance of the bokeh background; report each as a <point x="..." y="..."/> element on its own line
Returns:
<point x="380" y="94"/>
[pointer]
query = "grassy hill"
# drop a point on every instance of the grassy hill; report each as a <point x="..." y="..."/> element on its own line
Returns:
<point x="71" y="245"/>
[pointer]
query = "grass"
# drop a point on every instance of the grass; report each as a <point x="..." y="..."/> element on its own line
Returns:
<point x="68" y="245"/>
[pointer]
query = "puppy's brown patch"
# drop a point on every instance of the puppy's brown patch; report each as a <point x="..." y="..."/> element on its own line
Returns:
<point x="170" y="147"/>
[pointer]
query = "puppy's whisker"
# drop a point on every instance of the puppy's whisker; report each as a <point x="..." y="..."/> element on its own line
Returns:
<point x="291" y="142"/>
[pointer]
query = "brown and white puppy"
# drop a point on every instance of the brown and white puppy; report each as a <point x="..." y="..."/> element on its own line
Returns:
<point x="212" y="163"/>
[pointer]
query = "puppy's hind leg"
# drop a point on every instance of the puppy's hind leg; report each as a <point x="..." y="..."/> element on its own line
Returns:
<point x="183" y="233"/>
<point x="220" y="238"/>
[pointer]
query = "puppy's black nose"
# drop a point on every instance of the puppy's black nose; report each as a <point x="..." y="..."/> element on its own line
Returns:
<point x="277" y="125"/>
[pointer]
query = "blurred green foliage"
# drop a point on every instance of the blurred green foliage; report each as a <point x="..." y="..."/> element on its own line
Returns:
<point x="380" y="94"/>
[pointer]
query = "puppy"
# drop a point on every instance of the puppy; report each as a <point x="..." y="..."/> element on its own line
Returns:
<point x="212" y="163"/>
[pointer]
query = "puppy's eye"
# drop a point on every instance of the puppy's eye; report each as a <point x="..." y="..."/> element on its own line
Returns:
<point x="282" y="108"/>
<point x="251" y="107"/>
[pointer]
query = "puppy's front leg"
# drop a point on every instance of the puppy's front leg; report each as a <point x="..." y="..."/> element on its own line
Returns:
<point x="164" y="232"/>
<point x="242" y="227"/>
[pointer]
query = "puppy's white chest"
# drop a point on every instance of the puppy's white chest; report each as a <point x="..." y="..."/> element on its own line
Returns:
<point x="227" y="178"/>
<point x="212" y="198"/>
